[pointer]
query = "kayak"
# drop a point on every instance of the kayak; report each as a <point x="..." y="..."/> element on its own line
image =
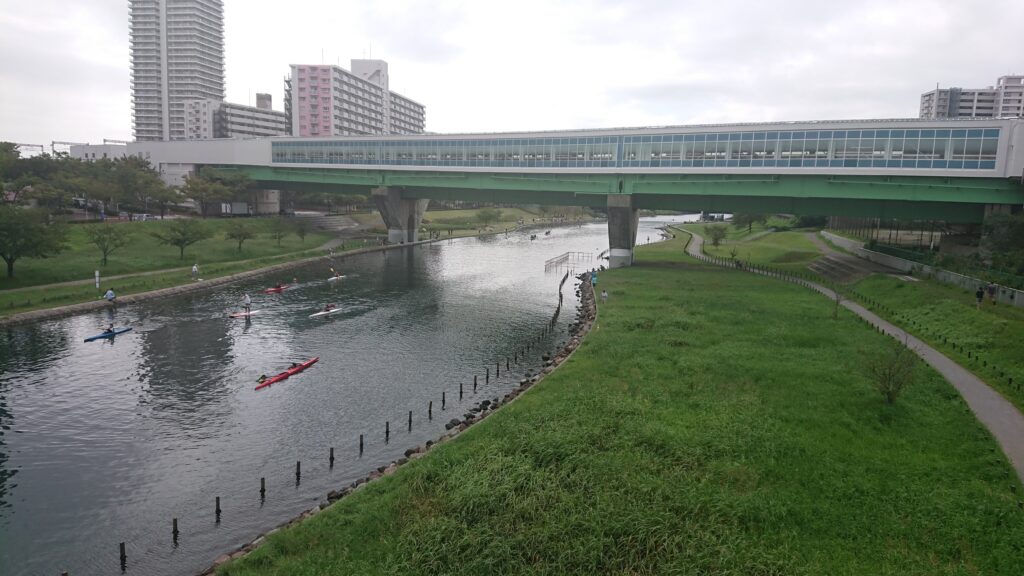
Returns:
<point x="287" y="373"/>
<point x="107" y="334"/>
<point x="276" y="289"/>
<point x="244" y="315"/>
<point x="335" y="278"/>
<point x="324" y="312"/>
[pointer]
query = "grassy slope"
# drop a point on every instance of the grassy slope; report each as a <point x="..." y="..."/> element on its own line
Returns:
<point x="784" y="250"/>
<point x="144" y="253"/>
<point x="932" y="311"/>
<point x="713" y="422"/>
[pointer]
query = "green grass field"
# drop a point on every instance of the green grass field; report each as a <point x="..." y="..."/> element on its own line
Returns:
<point x="713" y="422"/>
<point x="144" y="253"/>
<point x="945" y="315"/>
<point x="789" y="250"/>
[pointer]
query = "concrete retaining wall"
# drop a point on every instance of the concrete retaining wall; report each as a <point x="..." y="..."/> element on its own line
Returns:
<point x="1004" y="295"/>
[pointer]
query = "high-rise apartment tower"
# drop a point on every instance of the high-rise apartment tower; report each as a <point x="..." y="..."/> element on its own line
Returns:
<point x="327" y="100"/>
<point x="177" y="53"/>
<point x="1005" y="99"/>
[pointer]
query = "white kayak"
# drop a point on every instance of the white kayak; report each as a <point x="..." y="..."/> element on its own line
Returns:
<point x="335" y="278"/>
<point x="324" y="313"/>
<point x="245" y="314"/>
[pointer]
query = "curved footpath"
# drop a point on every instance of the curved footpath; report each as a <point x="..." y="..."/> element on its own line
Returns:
<point x="1001" y="417"/>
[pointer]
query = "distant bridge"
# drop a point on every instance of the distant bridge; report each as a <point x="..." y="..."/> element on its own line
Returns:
<point x="952" y="170"/>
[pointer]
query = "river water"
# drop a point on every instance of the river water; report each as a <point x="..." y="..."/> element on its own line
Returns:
<point x="107" y="441"/>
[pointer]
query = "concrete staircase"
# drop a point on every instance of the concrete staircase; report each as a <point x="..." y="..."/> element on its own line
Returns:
<point x="328" y="222"/>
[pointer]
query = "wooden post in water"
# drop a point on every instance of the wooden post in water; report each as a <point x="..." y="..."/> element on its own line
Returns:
<point x="387" y="431"/>
<point x="487" y="376"/>
<point x="360" y="444"/>
<point x="174" y="529"/>
<point x="443" y="401"/>
<point x="216" y="508"/>
<point x="331" y="458"/>
<point x="460" y="390"/>
<point x="430" y="410"/>
<point x="124" y="558"/>
<point x="298" y="471"/>
<point x="410" y="420"/>
<point x="263" y="486"/>
<point x="497" y="369"/>
<point x="506" y="362"/>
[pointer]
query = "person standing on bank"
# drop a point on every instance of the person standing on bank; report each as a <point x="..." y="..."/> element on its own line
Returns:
<point x="110" y="296"/>
<point x="992" y="291"/>
<point x="195" y="271"/>
<point x="979" y="296"/>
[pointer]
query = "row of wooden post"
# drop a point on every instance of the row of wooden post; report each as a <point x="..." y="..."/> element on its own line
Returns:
<point x="387" y="433"/>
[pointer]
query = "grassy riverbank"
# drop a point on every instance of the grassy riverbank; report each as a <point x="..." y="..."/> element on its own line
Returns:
<point x="464" y="222"/>
<point x="143" y="265"/>
<point x="713" y="422"/>
<point x="945" y="316"/>
<point x="144" y="253"/>
<point x="789" y="250"/>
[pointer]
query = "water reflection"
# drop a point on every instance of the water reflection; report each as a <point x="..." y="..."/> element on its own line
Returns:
<point x="116" y="438"/>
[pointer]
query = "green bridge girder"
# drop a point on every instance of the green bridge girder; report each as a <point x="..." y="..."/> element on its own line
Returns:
<point x="956" y="200"/>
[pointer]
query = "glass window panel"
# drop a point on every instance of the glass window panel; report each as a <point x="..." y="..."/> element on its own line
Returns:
<point x="974" y="133"/>
<point x="992" y="133"/>
<point x="942" y="133"/>
<point x="988" y="149"/>
<point x="927" y="133"/>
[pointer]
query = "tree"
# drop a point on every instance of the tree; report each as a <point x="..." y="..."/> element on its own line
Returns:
<point x="716" y="233"/>
<point x="107" y="238"/>
<point x="1004" y="239"/>
<point x="28" y="233"/>
<point x="301" y="228"/>
<point x="205" y="192"/>
<point x="278" y="229"/>
<point x="9" y="156"/>
<point x="891" y="371"/>
<point x="488" y="215"/>
<point x="182" y="233"/>
<point x="748" y="220"/>
<point x="240" y="232"/>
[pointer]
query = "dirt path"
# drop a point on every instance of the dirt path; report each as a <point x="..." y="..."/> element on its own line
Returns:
<point x="1001" y="417"/>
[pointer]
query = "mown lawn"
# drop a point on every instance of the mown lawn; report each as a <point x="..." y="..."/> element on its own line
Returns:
<point x="713" y="422"/>
<point x="144" y="253"/>
<point x="788" y="250"/>
<point x="945" y="316"/>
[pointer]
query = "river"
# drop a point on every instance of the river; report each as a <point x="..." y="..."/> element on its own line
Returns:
<point x="107" y="441"/>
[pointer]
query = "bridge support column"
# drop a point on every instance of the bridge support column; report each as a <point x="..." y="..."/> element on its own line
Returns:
<point x="402" y="216"/>
<point x="623" y="221"/>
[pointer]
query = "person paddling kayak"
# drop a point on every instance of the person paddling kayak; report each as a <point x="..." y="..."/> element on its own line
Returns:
<point x="109" y="329"/>
<point x="329" y="307"/>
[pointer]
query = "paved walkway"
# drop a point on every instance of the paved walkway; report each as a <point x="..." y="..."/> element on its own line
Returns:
<point x="1001" y="417"/>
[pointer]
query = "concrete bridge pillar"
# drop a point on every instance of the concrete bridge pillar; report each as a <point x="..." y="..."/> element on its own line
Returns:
<point x="623" y="221"/>
<point x="402" y="216"/>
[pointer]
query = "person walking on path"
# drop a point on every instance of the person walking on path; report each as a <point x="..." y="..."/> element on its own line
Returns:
<point x="604" y="295"/>
<point x="991" y="288"/>
<point x="195" y="271"/>
<point x="979" y="296"/>
<point x="247" y="303"/>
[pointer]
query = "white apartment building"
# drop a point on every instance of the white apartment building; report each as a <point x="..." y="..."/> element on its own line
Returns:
<point x="326" y="100"/>
<point x="209" y="119"/>
<point x="177" y="54"/>
<point x="1005" y="99"/>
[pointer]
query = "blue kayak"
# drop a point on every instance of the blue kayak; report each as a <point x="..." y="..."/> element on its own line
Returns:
<point x="107" y="334"/>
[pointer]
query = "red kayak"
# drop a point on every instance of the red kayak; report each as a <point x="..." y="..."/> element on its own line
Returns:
<point x="276" y="289"/>
<point x="287" y="373"/>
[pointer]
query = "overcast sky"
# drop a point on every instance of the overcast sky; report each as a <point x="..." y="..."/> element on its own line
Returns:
<point x="533" y="64"/>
